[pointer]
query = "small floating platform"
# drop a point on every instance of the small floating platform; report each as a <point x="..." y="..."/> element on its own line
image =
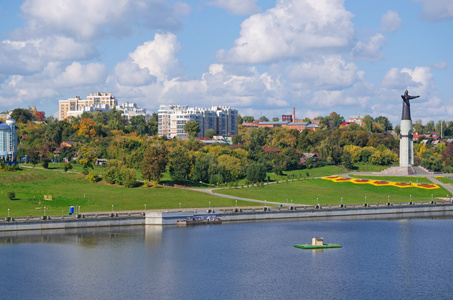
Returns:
<point x="317" y="243"/>
<point x="324" y="246"/>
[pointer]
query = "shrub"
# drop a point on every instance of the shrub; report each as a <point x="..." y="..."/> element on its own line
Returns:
<point x="85" y="171"/>
<point x="67" y="166"/>
<point x="45" y="163"/>
<point x="11" y="195"/>
<point x="93" y="177"/>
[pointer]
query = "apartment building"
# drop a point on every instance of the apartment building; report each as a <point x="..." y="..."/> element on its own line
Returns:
<point x="172" y="119"/>
<point x="76" y="106"/>
<point x="8" y="140"/>
<point x="97" y="102"/>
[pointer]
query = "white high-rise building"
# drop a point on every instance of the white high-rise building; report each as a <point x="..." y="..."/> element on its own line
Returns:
<point x="8" y="140"/>
<point x="172" y="119"/>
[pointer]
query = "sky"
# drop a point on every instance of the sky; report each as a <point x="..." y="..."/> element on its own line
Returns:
<point x="261" y="57"/>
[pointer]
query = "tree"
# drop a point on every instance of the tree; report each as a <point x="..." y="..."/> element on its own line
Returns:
<point x="275" y="119"/>
<point x="155" y="160"/>
<point x="201" y="170"/>
<point x="237" y="139"/>
<point x="192" y="128"/>
<point x="256" y="172"/>
<point x="179" y="164"/>
<point x="367" y="122"/>
<point x="230" y="167"/>
<point x="54" y="132"/>
<point x="248" y="119"/>
<point x="33" y="155"/>
<point x="21" y="115"/>
<point x="87" y="155"/>
<point x="138" y="124"/>
<point x="418" y="126"/>
<point x="384" y="121"/>
<point x="263" y="119"/>
<point x="87" y="128"/>
<point x="447" y="155"/>
<point x="209" y="133"/>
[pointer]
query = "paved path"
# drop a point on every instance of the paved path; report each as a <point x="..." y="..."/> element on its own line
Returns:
<point x="211" y="192"/>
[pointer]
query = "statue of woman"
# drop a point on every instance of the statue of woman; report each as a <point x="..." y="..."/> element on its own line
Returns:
<point x="406" y="105"/>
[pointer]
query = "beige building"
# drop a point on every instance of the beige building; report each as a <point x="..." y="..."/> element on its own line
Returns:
<point x="76" y="106"/>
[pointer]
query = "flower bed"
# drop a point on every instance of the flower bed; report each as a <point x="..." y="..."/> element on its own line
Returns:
<point x="381" y="182"/>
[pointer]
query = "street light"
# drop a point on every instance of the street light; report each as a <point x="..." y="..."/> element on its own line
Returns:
<point x="388" y="199"/>
<point x="180" y="205"/>
<point x="236" y="204"/>
<point x="8" y="213"/>
<point x="44" y="211"/>
<point x="112" y="208"/>
<point x="209" y="204"/>
<point x="145" y="207"/>
<point x="317" y="203"/>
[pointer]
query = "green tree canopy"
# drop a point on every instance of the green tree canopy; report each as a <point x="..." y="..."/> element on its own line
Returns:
<point x="155" y="160"/>
<point x="192" y="128"/>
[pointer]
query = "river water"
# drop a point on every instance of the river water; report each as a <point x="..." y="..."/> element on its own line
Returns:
<point x="407" y="259"/>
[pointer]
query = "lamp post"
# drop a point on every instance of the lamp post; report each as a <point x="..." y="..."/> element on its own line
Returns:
<point x="317" y="203"/>
<point x="388" y="199"/>
<point x="209" y="204"/>
<point x="410" y="198"/>
<point x="236" y="204"/>
<point x="112" y="208"/>
<point x="179" y="205"/>
<point x="145" y="207"/>
<point x="44" y="211"/>
<point x="365" y="200"/>
<point x="265" y="203"/>
<point x="8" y="213"/>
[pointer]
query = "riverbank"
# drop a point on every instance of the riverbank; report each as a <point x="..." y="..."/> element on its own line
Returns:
<point x="245" y="214"/>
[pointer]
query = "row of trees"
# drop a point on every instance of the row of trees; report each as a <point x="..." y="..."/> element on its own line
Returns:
<point x="131" y="145"/>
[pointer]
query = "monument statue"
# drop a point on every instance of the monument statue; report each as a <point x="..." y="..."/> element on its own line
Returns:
<point x="406" y="137"/>
<point x="406" y="105"/>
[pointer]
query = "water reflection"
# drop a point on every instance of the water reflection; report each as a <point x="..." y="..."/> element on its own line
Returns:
<point x="379" y="259"/>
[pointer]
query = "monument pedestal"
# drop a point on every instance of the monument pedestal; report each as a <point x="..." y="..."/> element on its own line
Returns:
<point x="400" y="171"/>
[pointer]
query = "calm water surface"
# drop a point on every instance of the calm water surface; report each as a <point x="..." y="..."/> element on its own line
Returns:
<point x="409" y="259"/>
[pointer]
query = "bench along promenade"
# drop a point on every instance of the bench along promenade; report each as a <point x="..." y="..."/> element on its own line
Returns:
<point x="381" y="211"/>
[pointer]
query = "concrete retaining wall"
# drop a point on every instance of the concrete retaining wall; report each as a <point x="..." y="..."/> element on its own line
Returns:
<point x="354" y="213"/>
<point x="236" y="215"/>
<point x="75" y="223"/>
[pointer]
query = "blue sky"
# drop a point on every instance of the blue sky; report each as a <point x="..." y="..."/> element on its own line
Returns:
<point x="261" y="57"/>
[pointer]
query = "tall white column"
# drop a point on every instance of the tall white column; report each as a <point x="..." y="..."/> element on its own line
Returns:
<point x="406" y="144"/>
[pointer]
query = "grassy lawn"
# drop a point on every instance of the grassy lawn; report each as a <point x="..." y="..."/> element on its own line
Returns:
<point x="394" y="178"/>
<point x="328" y="192"/>
<point x="69" y="189"/>
<point x="444" y="179"/>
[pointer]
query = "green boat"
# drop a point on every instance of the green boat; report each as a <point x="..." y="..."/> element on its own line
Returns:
<point x="317" y="243"/>
<point x="309" y="246"/>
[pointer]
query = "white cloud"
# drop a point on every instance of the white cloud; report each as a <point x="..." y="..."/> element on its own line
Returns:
<point x="331" y="72"/>
<point x="390" y="21"/>
<point x="159" y="56"/>
<point x="440" y="65"/>
<point x="370" y="49"/>
<point x="292" y="29"/>
<point x="417" y="81"/>
<point x="130" y="74"/>
<point x="237" y="7"/>
<point x="76" y="74"/>
<point x="29" y="56"/>
<point x="436" y="10"/>
<point x="88" y="19"/>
